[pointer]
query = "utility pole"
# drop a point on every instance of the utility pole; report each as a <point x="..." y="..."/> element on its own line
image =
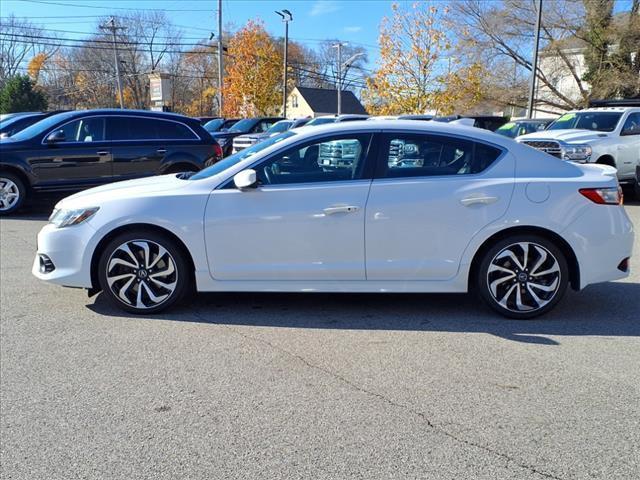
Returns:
<point x="111" y="26"/>
<point x="220" y="51"/>
<point x="286" y="18"/>
<point x="534" y="70"/>
<point x="339" y="46"/>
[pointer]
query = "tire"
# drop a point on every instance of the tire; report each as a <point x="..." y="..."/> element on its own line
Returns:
<point x="12" y="193"/>
<point x="636" y="189"/>
<point x="517" y="292"/>
<point x="159" y="279"/>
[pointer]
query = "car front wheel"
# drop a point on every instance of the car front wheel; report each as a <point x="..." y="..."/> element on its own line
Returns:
<point x="144" y="272"/>
<point x="523" y="276"/>
<point x="12" y="193"/>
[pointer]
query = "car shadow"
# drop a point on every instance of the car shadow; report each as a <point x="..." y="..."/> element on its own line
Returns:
<point x="609" y="309"/>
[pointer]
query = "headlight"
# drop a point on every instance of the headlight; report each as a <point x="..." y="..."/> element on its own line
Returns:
<point x="65" y="218"/>
<point x="576" y="152"/>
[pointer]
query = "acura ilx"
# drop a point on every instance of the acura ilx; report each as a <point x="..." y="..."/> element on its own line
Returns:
<point x="388" y="206"/>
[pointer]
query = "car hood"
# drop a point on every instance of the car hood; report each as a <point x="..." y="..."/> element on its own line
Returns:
<point x="138" y="188"/>
<point x="565" y="135"/>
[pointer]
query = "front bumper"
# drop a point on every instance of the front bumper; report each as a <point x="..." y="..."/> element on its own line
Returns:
<point x="601" y="238"/>
<point x="69" y="250"/>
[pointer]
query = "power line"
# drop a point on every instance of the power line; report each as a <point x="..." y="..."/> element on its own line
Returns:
<point x="64" y="4"/>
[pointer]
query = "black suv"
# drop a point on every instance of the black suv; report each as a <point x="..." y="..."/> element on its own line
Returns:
<point x="242" y="127"/>
<point x="80" y="149"/>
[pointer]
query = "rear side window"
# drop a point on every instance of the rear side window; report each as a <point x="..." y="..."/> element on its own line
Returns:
<point x="138" y="128"/>
<point x="415" y="155"/>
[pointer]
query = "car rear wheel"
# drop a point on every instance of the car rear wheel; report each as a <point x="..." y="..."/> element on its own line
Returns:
<point x="12" y="193"/>
<point x="523" y="276"/>
<point x="144" y="272"/>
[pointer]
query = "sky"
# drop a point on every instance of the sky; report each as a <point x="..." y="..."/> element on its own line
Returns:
<point x="353" y="21"/>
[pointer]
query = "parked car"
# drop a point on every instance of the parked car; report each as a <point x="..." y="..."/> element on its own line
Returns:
<point x="244" y="141"/>
<point x="220" y="124"/>
<point x="204" y="120"/>
<point x="486" y="122"/>
<point x="637" y="184"/>
<point x="605" y="135"/>
<point x="80" y="149"/>
<point x="524" y="126"/>
<point x="14" y="124"/>
<point x="7" y="116"/>
<point x="348" y="117"/>
<point x="242" y="127"/>
<point x="272" y="218"/>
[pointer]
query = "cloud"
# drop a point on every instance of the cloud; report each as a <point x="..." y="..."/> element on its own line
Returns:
<point x="322" y="7"/>
<point x="354" y="29"/>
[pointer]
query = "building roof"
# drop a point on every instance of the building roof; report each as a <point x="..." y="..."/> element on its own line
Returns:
<point x="323" y="100"/>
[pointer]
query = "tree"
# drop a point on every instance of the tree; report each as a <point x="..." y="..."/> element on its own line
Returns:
<point x="19" y="95"/>
<point x="414" y="73"/>
<point x="253" y="83"/>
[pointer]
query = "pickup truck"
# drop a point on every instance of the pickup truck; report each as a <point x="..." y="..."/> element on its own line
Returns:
<point x="605" y="135"/>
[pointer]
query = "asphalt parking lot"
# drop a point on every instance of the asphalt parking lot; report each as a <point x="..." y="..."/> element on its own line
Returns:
<point x="257" y="386"/>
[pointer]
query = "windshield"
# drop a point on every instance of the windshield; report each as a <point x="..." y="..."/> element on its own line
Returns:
<point x="231" y="160"/>
<point x="509" y="130"/>
<point x="42" y="126"/>
<point x="214" y="125"/>
<point x="322" y="120"/>
<point x="279" y="127"/>
<point x="598" y="121"/>
<point x="243" y="126"/>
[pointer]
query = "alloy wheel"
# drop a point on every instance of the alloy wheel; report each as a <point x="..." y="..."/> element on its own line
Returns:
<point x="141" y="274"/>
<point x="9" y="194"/>
<point x="524" y="277"/>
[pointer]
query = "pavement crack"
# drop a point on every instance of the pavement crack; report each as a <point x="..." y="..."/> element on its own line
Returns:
<point x="421" y="415"/>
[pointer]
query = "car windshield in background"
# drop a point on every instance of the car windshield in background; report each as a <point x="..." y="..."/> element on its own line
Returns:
<point x="279" y="127"/>
<point x="243" y="126"/>
<point x="321" y="121"/>
<point x="41" y="126"/>
<point x="231" y="160"/>
<point x="599" y="121"/>
<point x="214" y="125"/>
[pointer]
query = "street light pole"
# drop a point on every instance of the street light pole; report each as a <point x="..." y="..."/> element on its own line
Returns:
<point x="220" y="51"/>
<point x="339" y="80"/>
<point x="534" y="70"/>
<point x="286" y="18"/>
<point x="111" y="26"/>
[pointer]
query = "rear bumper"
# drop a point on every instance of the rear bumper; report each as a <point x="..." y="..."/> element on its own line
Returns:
<point x="601" y="238"/>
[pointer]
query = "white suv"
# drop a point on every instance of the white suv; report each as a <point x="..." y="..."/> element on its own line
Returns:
<point x="607" y="135"/>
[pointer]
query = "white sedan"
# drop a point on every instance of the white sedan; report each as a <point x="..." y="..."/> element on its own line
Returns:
<point x="388" y="206"/>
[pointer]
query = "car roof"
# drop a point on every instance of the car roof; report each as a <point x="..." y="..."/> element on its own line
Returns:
<point x="134" y="113"/>
<point x="472" y="133"/>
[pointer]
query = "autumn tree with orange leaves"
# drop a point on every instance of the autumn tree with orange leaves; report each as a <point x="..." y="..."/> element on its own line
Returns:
<point x="254" y="73"/>
<point x="415" y="72"/>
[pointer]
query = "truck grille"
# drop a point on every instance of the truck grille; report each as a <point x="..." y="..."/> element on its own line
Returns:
<point x="241" y="144"/>
<point x="547" y="146"/>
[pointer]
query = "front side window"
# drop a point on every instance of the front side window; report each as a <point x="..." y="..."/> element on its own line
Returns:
<point x="84" y="130"/>
<point x="632" y="125"/>
<point x="415" y="155"/>
<point x="336" y="158"/>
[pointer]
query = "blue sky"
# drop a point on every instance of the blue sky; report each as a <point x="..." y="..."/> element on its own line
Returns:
<point x="354" y="21"/>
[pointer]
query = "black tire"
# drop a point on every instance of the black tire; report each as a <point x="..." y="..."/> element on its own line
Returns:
<point x="11" y="184"/>
<point x="145" y="283"/>
<point x="507" y="288"/>
<point x="636" y="189"/>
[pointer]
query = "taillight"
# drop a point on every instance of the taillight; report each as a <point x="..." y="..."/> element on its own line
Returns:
<point x="603" y="196"/>
<point x="217" y="151"/>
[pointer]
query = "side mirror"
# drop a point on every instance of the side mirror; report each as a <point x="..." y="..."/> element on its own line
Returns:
<point x="245" y="179"/>
<point x="56" y="137"/>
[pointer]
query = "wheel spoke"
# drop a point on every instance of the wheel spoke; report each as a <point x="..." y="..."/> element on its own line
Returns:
<point x="541" y="260"/>
<point x="512" y="256"/>
<point x="496" y="283"/>
<point x="124" y="289"/>
<point x="152" y="296"/>
<point x="503" y="301"/>
<point x="168" y="271"/>
<point x="125" y="248"/>
<point x="525" y="250"/>
<point x="521" y="306"/>
<point x="112" y="280"/>
<point x="545" y="288"/>
<point x="145" y="249"/>
<point x="549" y="271"/>
<point x="161" y="253"/>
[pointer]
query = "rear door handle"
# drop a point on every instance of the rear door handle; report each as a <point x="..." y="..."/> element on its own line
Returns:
<point x="102" y="153"/>
<point x="161" y="150"/>
<point x="341" y="209"/>
<point x="482" y="199"/>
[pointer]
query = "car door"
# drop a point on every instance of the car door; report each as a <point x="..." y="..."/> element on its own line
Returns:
<point x="304" y="221"/>
<point x="81" y="158"/>
<point x="629" y="146"/>
<point x="137" y="150"/>
<point x="430" y="195"/>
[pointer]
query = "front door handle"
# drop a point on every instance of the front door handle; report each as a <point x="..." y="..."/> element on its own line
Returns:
<point x="340" y="209"/>
<point x="481" y="199"/>
<point x="102" y="153"/>
<point x="161" y="151"/>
